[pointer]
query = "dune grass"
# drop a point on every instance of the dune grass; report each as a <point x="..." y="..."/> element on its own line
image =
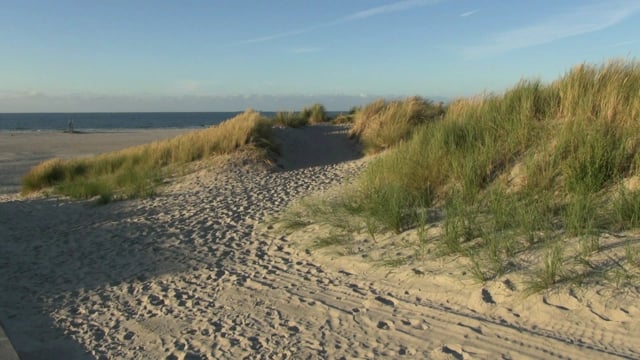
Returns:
<point x="481" y="139"/>
<point x="313" y="114"/>
<point x="381" y="124"/>
<point x="316" y="113"/>
<point x="137" y="171"/>
<point x="346" y="118"/>
<point x="511" y="173"/>
<point x="290" y="119"/>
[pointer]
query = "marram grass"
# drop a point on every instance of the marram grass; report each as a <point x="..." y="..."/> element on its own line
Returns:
<point x="587" y="145"/>
<point x="535" y="166"/>
<point x="137" y="171"/>
<point x="313" y="114"/>
<point x="381" y="124"/>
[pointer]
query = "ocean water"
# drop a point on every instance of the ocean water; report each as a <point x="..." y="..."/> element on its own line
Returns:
<point x="111" y="121"/>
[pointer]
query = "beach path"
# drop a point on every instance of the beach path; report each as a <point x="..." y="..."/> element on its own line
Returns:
<point x="193" y="273"/>
<point x="318" y="145"/>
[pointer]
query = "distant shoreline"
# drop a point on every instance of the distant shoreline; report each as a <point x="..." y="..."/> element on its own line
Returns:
<point x="123" y="121"/>
<point x="82" y="131"/>
<point x="92" y="122"/>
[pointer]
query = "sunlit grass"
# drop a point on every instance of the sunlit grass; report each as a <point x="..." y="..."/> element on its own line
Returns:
<point x="381" y="124"/>
<point x="533" y="167"/>
<point x="137" y="171"/>
<point x="313" y="114"/>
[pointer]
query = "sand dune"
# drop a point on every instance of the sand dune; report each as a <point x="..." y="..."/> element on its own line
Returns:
<point x="20" y="150"/>
<point x="194" y="273"/>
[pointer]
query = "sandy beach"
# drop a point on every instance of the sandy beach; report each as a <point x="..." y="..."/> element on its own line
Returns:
<point x="197" y="273"/>
<point x="21" y="150"/>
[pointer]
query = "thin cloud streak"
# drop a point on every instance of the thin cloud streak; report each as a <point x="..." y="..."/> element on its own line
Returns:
<point x="387" y="9"/>
<point x="469" y="13"/>
<point x="363" y="14"/>
<point x="279" y="35"/>
<point x="579" y="21"/>
<point x="623" y="43"/>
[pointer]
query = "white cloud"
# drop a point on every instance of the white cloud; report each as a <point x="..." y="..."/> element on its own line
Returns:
<point x="576" y="22"/>
<point x="386" y="9"/>
<point x="469" y="13"/>
<point x="359" y="15"/>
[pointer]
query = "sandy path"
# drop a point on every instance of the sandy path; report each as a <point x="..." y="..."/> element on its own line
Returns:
<point x="187" y="275"/>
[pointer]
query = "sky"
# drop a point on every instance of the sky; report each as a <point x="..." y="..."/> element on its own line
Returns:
<point x="228" y="55"/>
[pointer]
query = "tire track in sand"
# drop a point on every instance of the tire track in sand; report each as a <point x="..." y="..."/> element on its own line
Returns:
<point x="188" y="275"/>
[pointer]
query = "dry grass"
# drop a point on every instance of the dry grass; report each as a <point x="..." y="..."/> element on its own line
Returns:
<point x="381" y="124"/>
<point x="313" y="114"/>
<point x="316" y="113"/>
<point x="574" y="142"/>
<point x="136" y="171"/>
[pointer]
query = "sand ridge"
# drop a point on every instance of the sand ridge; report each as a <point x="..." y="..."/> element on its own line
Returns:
<point x="195" y="273"/>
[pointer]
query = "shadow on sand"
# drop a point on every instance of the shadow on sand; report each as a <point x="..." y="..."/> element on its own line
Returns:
<point x="43" y="261"/>
<point x="315" y="145"/>
<point x="55" y="249"/>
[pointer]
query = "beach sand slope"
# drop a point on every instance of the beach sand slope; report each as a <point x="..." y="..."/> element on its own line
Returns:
<point x="194" y="274"/>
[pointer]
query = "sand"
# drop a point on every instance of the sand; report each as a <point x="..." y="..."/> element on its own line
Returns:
<point x="196" y="273"/>
<point x="20" y="150"/>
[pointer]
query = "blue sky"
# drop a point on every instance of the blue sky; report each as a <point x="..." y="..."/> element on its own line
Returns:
<point x="186" y="55"/>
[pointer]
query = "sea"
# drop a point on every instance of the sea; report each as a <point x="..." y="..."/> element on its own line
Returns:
<point x="117" y="121"/>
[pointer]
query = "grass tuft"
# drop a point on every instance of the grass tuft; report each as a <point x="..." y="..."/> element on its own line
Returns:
<point x="291" y="119"/>
<point x="381" y="124"/>
<point x="316" y="113"/>
<point x="540" y="163"/>
<point x="313" y="114"/>
<point x="551" y="271"/>
<point x="137" y="171"/>
<point x="626" y="210"/>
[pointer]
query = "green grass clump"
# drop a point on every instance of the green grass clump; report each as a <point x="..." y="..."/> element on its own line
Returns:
<point x="347" y="118"/>
<point x="391" y="208"/>
<point x="137" y="171"/>
<point x="342" y="119"/>
<point x="481" y="139"/>
<point x="477" y="140"/>
<point x="626" y="209"/>
<point x="460" y="224"/>
<point x="313" y="114"/>
<point x="537" y="164"/>
<point x="291" y="119"/>
<point x="580" y="215"/>
<point x="551" y="271"/>
<point x="316" y="113"/>
<point x="381" y="124"/>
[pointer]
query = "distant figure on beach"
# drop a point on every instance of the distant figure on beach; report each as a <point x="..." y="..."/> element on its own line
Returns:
<point x="70" y="126"/>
